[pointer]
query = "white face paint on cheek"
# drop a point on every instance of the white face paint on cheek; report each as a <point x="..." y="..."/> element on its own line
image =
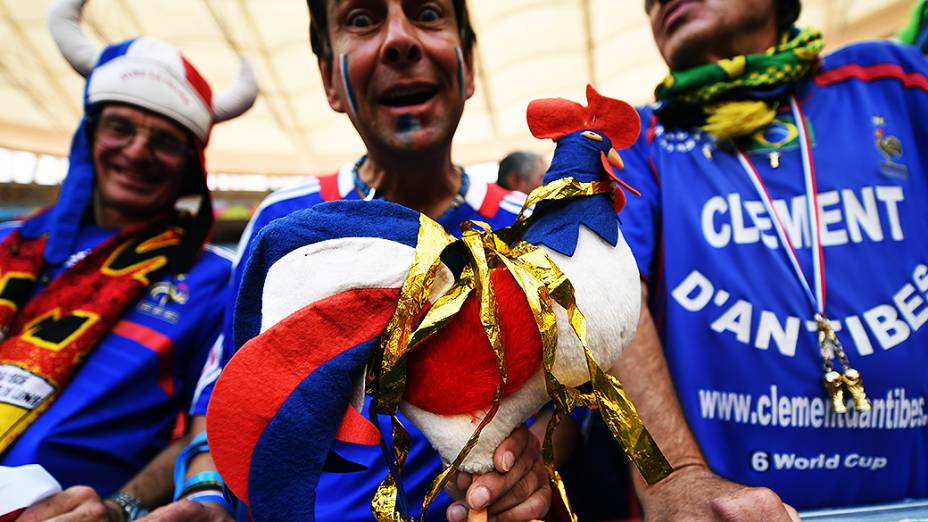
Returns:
<point x="346" y="83"/>
<point x="460" y="59"/>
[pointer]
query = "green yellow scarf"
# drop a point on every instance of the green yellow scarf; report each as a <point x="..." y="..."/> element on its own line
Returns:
<point x="740" y="95"/>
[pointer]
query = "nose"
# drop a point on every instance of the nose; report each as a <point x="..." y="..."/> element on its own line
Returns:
<point x="138" y="148"/>
<point x="401" y="46"/>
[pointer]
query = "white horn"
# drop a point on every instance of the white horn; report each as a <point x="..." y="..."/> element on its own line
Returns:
<point x="238" y="97"/>
<point x="64" y="22"/>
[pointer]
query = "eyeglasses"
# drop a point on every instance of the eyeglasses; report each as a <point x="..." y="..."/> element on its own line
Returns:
<point x="117" y="131"/>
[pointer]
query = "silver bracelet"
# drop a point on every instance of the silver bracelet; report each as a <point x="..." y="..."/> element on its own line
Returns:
<point x="130" y="505"/>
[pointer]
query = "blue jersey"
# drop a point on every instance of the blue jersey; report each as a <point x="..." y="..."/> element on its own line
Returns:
<point x="347" y="496"/>
<point x="117" y="412"/>
<point x="733" y="317"/>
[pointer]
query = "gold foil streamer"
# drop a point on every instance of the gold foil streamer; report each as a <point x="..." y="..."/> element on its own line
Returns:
<point x="432" y="240"/>
<point x="547" y="454"/>
<point x="383" y="506"/>
<point x="541" y="281"/>
<point x="479" y="241"/>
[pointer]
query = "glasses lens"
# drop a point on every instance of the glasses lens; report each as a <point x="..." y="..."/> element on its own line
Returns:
<point x="114" y="131"/>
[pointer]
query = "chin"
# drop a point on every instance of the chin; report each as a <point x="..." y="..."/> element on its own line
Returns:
<point x="688" y="45"/>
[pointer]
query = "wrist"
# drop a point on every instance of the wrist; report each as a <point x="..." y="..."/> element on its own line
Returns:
<point x="114" y="512"/>
<point x="682" y="473"/>
<point x="123" y="507"/>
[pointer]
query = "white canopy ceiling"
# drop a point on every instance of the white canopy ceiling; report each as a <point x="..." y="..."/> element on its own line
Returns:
<point x="527" y="49"/>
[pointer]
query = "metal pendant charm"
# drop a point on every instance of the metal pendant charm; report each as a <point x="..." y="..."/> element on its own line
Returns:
<point x="855" y="387"/>
<point x="774" y="159"/>
<point x="834" y="385"/>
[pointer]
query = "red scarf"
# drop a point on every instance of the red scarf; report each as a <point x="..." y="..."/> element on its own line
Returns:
<point x="44" y="341"/>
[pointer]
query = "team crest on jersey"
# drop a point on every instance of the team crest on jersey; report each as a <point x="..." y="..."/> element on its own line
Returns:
<point x="158" y="301"/>
<point x="891" y="148"/>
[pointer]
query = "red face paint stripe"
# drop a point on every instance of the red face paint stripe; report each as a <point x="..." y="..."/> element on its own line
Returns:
<point x="156" y="342"/>
<point x="873" y="72"/>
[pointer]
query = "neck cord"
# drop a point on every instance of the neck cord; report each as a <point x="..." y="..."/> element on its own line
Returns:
<point x="829" y="345"/>
<point x="367" y="192"/>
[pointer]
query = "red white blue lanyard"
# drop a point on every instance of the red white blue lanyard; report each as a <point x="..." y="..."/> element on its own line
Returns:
<point x="835" y="383"/>
<point x="816" y="294"/>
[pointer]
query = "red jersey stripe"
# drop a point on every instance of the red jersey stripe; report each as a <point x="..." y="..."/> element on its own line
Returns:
<point x="154" y="341"/>
<point x="873" y="72"/>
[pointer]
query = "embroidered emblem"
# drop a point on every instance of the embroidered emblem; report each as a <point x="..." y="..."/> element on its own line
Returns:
<point x="891" y="149"/>
<point x="160" y="297"/>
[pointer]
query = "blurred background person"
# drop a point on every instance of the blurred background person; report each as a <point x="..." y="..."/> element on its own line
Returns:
<point x="521" y="171"/>
<point x="111" y="297"/>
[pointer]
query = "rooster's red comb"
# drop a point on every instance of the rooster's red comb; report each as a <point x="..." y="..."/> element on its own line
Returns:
<point x="553" y="118"/>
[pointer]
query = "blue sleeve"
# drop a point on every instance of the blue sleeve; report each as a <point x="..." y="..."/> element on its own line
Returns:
<point x="641" y="217"/>
<point x="224" y="348"/>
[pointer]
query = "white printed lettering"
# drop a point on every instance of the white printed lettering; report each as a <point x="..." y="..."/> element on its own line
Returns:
<point x="907" y="303"/>
<point x="757" y="213"/>
<point x="716" y="237"/>
<point x="743" y="234"/>
<point x="736" y="319"/>
<point x="890" y="196"/>
<point x="770" y="328"/>
<point x="884" y="322"/>
<point x="920" y="277"/>
<point x="866" y="215"/>
<point x="830" y="237"/>
<point x="693" y="282"/>
<point x="861" y="341"/>
<point x="794" y="221"/>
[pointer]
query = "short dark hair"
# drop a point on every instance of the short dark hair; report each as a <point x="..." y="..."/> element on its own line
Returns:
<point x="319" y="28"/>
<point x="786" y="12"/>
<point x="516" y="164"/>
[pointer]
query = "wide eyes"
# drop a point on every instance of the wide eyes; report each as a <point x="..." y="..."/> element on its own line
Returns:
<point x="359" y="20"/>
<point x="429" y="14"/>
<point x="363" y="18"/>
<point x="591" y="136"/>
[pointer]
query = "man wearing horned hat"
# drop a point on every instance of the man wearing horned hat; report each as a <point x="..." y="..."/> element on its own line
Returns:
<point x="110" y="298"/>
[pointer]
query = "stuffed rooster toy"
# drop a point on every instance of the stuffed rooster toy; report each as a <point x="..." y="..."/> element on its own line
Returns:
<point x="469" y="338"/>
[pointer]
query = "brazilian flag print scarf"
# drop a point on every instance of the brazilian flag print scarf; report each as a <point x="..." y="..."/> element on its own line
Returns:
<point x="737" y="96"/>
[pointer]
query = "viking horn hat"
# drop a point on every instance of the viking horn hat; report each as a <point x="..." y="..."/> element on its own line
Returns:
<point x="149" y="73"/>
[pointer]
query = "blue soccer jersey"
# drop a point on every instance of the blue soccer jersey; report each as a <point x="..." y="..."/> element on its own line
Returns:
<point x="347" y="496"/>
<point x="118" y="411"/>
<point x="736" y="323"/>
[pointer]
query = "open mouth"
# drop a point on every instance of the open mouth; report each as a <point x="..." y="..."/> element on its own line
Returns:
<point x="672" y="13"/>
<point x="408" y="97"/>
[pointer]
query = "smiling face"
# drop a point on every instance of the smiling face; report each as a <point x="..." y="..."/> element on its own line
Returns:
<point x="695" y="32"/>
<point x="398" y="71"/>
<point x="139" y="159"/>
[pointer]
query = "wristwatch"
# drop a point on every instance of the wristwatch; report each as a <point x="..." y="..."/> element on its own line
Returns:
<point x="130" y="505"/>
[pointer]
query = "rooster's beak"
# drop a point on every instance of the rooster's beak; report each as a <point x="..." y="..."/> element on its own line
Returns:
<point x="615" y="160"/>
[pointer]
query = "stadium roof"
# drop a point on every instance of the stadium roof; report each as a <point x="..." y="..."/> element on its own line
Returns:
<point x="527" y="49"/>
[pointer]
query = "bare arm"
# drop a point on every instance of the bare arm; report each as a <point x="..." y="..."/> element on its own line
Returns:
<point x="186" y="510"/>
<point x="692" y="490"/>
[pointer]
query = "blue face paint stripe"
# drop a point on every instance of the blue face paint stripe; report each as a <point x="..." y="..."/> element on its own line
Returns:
<point x="459" y="56"/>
<point x="346" y="83"/>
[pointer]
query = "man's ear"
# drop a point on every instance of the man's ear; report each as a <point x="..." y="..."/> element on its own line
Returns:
<point x="469" y="72"/>
<point x="330" y="82"/>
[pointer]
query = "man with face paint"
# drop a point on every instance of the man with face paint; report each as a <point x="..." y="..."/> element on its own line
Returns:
<point x="752" y="166"/>
<point x="401" y="71"/>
